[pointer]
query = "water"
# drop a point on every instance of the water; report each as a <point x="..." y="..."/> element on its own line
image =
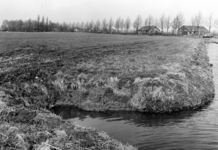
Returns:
<point x="183" y="130"/>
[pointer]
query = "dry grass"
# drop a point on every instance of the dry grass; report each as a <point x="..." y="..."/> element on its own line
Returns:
<point x="45" y="131"/>
<point x="101" y="72"/>
<point x="93" y="72"/>
<point x="36" y="70"/>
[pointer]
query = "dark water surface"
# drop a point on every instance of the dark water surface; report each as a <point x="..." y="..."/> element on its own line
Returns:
<point x="184" y="130"/>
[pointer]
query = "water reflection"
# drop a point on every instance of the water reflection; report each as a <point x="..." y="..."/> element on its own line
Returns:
<point x="136" y="118"/>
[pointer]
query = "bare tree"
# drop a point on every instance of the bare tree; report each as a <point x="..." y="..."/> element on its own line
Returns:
<point x="174" y="25"/>
<point x="42" y="23"/>
<point x="29" y="23"/>
<point x="150" y="20"/>
<point x="137" y="23"/>
<point x="97" y="26"/>
<point x="117" y="24"/>
<point x="193" y="23"/>
<point x="177" y="22"/>
<point x="157" y="23"/>
<point x="167" y="23"/>
<point x="127" y="24"/>
<point x="50" y="26"/>
<point x="198" y="21"/>
<point x="122" y="25"/>
<point x="86" y="26"/>
<point x="82" y="26"/>
<point x="20" y="25"/>
<point x="210" y="21"/>
<point x="181" y="20"/>
<point x="91" y="26"/>
<point x="38" y="23"/>
<point x="5" y="26"/>
<point x="216" y="23"/>
<point x="77" y="25"/>
<point x="110" y="25"/>
<point x="46" y="24"/>
<point x="162" y="22"/>
<point x="146" y="22"/>
<point x="104" y="25"/>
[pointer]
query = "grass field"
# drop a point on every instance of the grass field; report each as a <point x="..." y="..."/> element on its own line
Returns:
<point x="96" y="72"/>
<point x="103" y="72"/>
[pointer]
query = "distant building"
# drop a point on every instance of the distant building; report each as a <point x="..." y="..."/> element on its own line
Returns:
<point x="76" y="30"/>
<point x="192" y="30"/>
<point x="148" y="30"/>
<point x="113" y="29"/>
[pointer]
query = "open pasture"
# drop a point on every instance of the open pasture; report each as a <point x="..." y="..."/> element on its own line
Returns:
<point x="95" y="72"/>
<point x="106" y="72"/>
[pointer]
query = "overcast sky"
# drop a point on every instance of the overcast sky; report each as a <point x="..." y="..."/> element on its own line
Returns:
<point x="87" y="10"/>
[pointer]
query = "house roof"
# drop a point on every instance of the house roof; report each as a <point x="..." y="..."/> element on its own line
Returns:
<point x="194" y="28"/>
<point x="147" y="28"/>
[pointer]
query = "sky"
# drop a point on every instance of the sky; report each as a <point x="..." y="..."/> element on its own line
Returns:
<point x="87" y="10"/>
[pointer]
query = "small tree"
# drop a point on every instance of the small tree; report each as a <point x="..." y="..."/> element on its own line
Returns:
<point x="210" y="22"/>
<point x="193" y="23"/>
<point x="91" y="26"/>
<point x="167" y="23"/>
<point x="86" y="26"/>
<point x="110" y="25"/>
<point x="157" y="24"/>
<point x="20" y="25"/>
<point x="97" y="26"/>
<point x="43" y="24"/>
<point x="150" y="20"/>
<point x="127" y="24"/>
<point x="137" y="23"/>
<point x="146" y="22"/>
<point x="38" y="23"/>
<point x="46" y="25"/>
<point x="122" y="25"/>
<point x="178" y="21"/>
<point x="162" y="22"/>
<point x="29" y="24"/>
<point x="181" y="20"/>
<point x="104" y="25"/>
<point x="117" y="24"/>
<point x="5" y="25"/>
<point x="82" y="26"/>
<point x="174" y="25"/>
<point x="198" y="21"/>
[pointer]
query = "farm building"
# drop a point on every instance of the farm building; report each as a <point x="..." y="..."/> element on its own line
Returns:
<point x="148" y="30"/>
<point x="76" y="30"/>
<point x="193" y="30"/>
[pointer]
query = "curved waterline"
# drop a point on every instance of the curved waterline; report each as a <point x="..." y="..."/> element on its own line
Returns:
<point x="192" y="129"/>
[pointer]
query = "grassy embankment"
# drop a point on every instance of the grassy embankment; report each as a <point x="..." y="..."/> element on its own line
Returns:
<point x="109" y="72"/>
<point x="97" y="72"/>
<point x="28" y="67"/>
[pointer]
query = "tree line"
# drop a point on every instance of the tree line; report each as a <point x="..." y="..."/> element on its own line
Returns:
<point x="165" y="23"/>
<point x="38" y="25"/>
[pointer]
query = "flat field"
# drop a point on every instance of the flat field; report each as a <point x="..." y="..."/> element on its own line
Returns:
<point x="118" y="54"/>
<point x="96" y="72"/>
<point x="104" y="72"/>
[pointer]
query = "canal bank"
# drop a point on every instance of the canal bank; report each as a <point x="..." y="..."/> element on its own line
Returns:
<point x="164" y="78"/>
<point x="191" y="129"/>
<point x="36" y="76"/>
